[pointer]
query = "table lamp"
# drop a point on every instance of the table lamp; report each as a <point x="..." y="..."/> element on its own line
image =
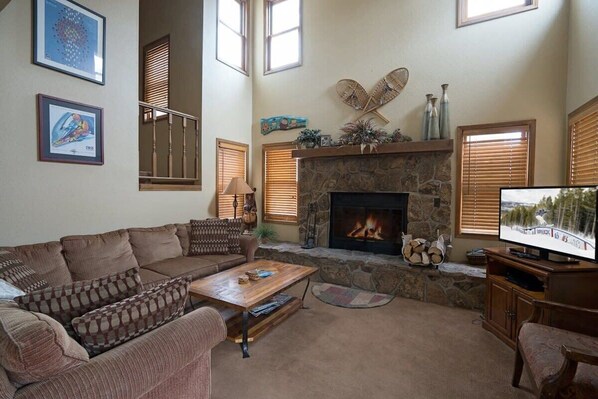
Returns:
<point x="237" y="186"/>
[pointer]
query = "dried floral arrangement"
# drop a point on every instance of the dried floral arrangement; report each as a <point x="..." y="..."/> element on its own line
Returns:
<point x="365" y="134"/>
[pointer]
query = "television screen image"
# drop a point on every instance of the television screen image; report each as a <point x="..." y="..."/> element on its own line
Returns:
<point x="557" y="219"/>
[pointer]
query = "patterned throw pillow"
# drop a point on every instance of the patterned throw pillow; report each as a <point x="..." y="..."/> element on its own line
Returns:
<point x="68" y="301"/>
<point x="234" y="235"/>
<point x="18" y="274"/>
<point x="209" y="237"/>
<point x="115" y="324"/>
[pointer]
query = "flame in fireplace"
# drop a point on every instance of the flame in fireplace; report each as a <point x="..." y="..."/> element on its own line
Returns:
<point x="371" y="230"/>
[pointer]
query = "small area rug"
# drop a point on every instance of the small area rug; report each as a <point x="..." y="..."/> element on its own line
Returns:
<point x="349" y="297"/>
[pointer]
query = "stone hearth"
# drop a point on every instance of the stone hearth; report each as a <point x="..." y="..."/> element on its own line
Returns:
<point x="451" y="284"/>
<point x="425" y="176"/>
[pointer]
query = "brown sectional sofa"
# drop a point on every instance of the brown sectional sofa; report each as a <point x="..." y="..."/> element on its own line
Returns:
<point x="172" y="361"/>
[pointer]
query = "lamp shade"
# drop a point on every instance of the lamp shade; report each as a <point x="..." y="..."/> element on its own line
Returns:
<point x="237" y="186"/>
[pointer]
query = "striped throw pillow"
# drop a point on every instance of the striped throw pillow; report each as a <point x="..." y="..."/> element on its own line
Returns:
<point x="104" y="328"/>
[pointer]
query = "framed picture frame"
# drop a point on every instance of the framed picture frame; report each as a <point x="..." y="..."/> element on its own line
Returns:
<point x="69" y="38"/>
<point x="69" y="132"/>
<point x="325" y="140"/>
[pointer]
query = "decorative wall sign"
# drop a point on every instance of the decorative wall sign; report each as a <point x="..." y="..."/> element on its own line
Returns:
<point x="69" y="131"/>
<point x="386" y="90"/>
<point x="69" y="38"/>
<point x="283" y="122"/>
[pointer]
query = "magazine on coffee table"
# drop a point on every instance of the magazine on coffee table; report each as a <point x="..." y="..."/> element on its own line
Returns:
<point x="268" y="307"/>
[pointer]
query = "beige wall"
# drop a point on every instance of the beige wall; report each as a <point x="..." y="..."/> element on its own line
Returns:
<point x="582" y="83"/>
<point x="227" y="102"/>
<point x="503" y="70"/>
<point x="43" y="201"/>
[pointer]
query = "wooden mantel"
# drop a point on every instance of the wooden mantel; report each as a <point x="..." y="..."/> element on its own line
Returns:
<point x="390" y="148"/>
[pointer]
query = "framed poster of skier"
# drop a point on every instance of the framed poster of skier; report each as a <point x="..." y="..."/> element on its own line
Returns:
<point x="69" y="131"/>
<point x="69" y="38"/>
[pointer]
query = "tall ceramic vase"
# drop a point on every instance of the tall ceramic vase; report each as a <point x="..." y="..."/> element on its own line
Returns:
<point x="445" y="129"/>
<point x="433" y="127"/>
<point x="426" y="120"/>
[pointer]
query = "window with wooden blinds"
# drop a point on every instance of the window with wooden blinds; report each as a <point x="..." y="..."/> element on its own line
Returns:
<point x="583" y="145"/>
<point x="280" y="183"/>
<point x="156" y="75"/>
<point x="231" y="159"/>
<point x="490" y="157"/>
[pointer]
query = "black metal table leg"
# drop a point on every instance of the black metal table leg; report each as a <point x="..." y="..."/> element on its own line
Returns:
<point x="303" y="297"/>
<point x="245" y="344"/>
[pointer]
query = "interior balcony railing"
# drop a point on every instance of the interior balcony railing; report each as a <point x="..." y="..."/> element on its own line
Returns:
<point x="165" y="139"/>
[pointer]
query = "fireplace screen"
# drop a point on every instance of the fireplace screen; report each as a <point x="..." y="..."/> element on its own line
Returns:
<point x="370" y="222"/>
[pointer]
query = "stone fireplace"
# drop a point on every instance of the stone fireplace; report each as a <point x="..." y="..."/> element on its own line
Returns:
<point x="417" y="172"/>
<point x="425" y="176"/>
<point x="370" y="222"/>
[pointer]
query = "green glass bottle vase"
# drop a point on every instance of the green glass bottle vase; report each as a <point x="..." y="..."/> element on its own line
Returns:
<point x="443" y="114"/>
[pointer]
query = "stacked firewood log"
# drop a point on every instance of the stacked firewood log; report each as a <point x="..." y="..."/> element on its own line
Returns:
<point x="418" y="251"/>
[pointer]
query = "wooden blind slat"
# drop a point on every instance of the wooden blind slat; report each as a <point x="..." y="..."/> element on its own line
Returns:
<point x="486" y="166"/>
<point x="587" y="122"/>
<point x="232" y="162"/>
<point x="280" y="184"/>
<point x="583" y="138"/>
<point x="156" y="65"/>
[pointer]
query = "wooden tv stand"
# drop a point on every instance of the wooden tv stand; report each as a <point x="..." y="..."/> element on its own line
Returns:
<point x="508" y="304"/>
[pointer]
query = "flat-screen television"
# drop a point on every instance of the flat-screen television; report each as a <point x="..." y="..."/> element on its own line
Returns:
<point x="560" y="220"/>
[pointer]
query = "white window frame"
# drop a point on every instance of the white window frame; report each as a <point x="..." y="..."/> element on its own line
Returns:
<point x="464" y="20"/>
<point x="244" y="6"/>
<point x="268" y="37"/>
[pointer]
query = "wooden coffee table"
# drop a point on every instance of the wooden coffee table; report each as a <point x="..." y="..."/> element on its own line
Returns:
<point x="223" y="288"/>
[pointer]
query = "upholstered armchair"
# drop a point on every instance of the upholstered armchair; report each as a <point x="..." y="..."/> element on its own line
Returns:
<point x="561" y="363"/>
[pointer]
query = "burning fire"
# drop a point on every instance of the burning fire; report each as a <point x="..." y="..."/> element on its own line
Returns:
<point x="372" y="230"/>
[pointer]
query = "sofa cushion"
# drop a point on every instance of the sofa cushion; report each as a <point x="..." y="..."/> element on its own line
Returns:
<point x="93" y="256"/>
<point x="225" y="262"/>
<point x="47" y="261"/>
<point x="209" y="237"/>
<point x="196" y="267"/>
<point x="66" y="302"/>
<point x="155" y="244"/>
<point x="234" y="235"/>
<point x="34" y="346"/>
<point x="18" y="274"/>
<point x="115" y="324"/>
<point x="7" y="389"/>
<point x="150" y="278"/>
<point x="183" y="232"/>
<point x="541" y="348"/>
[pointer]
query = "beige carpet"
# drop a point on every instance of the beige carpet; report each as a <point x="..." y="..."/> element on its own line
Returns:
<point x="406" y="349"/>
